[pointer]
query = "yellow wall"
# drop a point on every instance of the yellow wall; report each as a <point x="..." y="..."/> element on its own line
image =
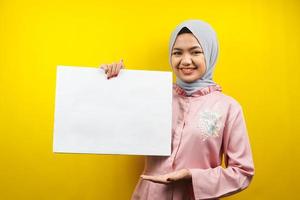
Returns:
<point x="258" y="65"/>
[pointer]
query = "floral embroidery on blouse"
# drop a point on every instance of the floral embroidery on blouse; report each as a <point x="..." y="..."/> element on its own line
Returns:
<point x="209" y="123"/>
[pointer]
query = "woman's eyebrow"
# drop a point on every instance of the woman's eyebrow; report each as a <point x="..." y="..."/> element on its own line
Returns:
<point x="194" y="47"/>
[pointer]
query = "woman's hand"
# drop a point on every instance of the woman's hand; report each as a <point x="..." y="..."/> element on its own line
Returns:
<point x="183" y="174"/>
<point x="112" y="70"/>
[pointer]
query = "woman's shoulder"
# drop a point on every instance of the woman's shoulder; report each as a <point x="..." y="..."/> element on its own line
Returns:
<point x="229" y="105"/>
<point x="229" y="100"/>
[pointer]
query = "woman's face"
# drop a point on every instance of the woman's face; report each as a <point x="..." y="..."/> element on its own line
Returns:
<point x="187" y="58"/>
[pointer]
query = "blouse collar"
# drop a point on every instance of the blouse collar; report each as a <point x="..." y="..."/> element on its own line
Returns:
<point x="200" y="92"/>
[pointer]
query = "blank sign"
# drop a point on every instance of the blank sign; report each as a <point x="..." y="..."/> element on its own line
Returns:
<point x="128" y="114"/>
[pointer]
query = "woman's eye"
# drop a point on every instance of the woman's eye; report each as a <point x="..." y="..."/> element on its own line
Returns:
<point x="176" y="53"/>
<point x="197" y="52"/>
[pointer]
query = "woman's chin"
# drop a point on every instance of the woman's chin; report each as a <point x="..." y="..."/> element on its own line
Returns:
<point x="188" y="79"/>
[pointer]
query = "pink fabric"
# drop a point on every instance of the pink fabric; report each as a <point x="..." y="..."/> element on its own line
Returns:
<point x="205" y="126"/>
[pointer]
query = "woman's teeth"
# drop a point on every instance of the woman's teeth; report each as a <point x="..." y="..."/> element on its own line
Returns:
<point x="187" y="70"/>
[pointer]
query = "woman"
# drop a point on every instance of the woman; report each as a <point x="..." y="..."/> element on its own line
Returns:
<point x="207" y="124"/>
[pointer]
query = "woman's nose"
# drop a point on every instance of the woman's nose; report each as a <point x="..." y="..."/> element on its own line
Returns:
<point x="186" y="60"/>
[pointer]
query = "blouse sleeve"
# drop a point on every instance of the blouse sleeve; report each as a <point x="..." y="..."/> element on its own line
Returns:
<point x="219" y="181"/>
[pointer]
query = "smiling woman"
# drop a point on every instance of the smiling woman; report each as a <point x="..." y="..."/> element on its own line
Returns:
<point x="206" y="124"/>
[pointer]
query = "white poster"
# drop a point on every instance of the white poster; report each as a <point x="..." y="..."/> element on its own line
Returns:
<point x="128" y="114"/>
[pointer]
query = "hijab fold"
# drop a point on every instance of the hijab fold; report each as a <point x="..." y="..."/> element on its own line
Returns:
<point x="207" y="38"/>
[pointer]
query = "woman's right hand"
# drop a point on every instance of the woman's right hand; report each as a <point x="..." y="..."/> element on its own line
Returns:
<point x="112" y="70"/>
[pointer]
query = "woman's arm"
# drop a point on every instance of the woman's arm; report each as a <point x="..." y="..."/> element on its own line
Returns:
<point x="219" y="181"/>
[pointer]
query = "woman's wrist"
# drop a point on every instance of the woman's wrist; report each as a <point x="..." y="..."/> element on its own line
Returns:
<point x="188" y="174"/>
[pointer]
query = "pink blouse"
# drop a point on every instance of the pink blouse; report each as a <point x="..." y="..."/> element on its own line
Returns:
<point x="205" y="126"/>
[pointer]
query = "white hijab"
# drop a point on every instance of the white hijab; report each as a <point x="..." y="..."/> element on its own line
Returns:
<point x="207" y="38"/>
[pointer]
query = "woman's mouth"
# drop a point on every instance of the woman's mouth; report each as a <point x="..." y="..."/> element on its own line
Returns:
<point x="187" y="71"/>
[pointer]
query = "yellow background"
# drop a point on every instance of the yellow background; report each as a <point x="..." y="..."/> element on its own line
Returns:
<point x="258" y="65"/>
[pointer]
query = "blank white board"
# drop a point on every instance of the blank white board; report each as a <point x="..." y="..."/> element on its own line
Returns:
<point x="128" y="114"/>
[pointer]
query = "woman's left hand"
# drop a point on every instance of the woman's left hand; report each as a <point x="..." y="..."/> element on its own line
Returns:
<point x="183" y="174"/>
